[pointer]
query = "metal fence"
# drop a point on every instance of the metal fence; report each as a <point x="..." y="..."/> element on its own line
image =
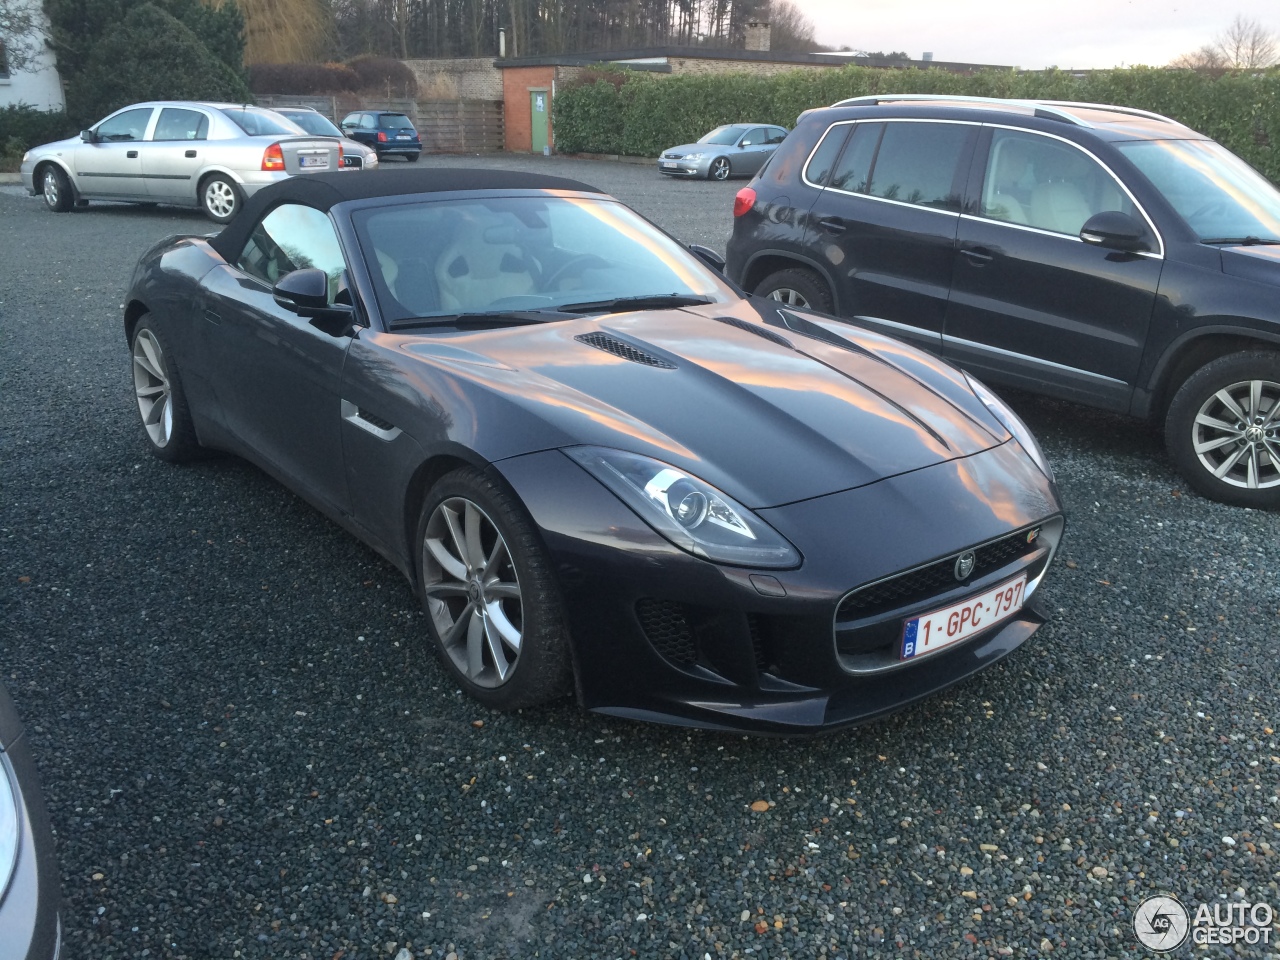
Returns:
<point x="446" y="126"/>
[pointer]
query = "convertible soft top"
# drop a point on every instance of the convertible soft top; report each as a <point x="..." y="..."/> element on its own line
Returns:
<point x="323" y="190"/>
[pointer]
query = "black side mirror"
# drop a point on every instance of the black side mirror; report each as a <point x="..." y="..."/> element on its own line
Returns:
<point x="1113" y="230"/>
<point x="88" y="136"/>
<point x="708" y="256"/>
<point x="306" y="293"/>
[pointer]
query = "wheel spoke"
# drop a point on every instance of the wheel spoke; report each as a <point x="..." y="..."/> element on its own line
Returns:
<point x="1226" y="466"/>
<point x="475" y="551"/>
<point x="1229" y="402"/>
<point x="496" y="556"/>
<point x="1255" y="399"/>
<point x="475" y="644"/>
<point x="445" y="589"/>
<point x="459" y="541"/>
<point x="448" y="562"/>
<point x="1216" y="443"/>
<point x="145" y="393"/>
<point x="1253" y="466"/>
<point x="498" y="620"/>
<point x="156" y="414"/>
<point x="494" y="642"/>
<point x="502" y="590"/>
<point x="459" y="626"/>
<point x="1204" y="420"/>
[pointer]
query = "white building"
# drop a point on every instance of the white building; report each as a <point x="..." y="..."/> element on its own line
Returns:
<point x="38" y="85"/>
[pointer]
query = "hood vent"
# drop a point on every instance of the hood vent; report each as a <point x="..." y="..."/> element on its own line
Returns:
<point x="759" y="331"/>
<point x="620" y="348"/>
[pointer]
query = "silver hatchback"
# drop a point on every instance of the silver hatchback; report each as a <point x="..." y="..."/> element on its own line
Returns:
<point x="206" y="155"/>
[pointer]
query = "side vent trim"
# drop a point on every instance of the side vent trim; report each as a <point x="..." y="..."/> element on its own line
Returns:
<point x="368" y="422"/>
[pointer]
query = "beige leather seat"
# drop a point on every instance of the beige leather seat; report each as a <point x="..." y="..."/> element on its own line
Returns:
<point x="474" y="271"/>
<point x="1059" y="206"/>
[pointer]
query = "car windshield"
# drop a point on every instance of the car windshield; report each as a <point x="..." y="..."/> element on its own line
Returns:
<point x="722" y="135"/>
<point x="1218" y="194"/>
<point x="316" y="123"/>
<point x="476" y="256"/>
<point x="394" y="121"/>
<point x="257" y="123"/>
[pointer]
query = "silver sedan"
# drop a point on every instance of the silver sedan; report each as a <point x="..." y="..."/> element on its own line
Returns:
<point x="206" y="155"/>
<point x="355" y="155"/>
<point x="734" y="150"/>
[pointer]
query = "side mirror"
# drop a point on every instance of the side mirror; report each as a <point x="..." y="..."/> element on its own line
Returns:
<point x="306" y="293"/>
<point x="1113" y="230"/>
<point x="88" y="136"/>
<point x="708" y="256"/>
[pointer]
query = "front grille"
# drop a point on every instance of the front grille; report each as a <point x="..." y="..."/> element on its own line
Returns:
<point x="758" y="649"/>
<point x="924" y="582"/>
<point x="666" y="625"/>
<point x="620" y="348"/>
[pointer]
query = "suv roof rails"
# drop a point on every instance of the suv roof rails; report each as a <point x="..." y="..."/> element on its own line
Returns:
<point x="1048" y="109"/>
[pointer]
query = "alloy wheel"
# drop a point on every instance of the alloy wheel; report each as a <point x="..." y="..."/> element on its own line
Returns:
<point x="472" y="592"/>
<point x="50" y="188"/>
<point x="792" y="298"/>
<point x="720" y="169"/>
<point x="220" y="198"/>
<point x="151" y="385"/>
<point x="1236" y="434"/>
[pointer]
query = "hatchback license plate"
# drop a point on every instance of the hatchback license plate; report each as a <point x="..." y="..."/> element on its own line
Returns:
<point x="403" y="136"/>
<point x="941" y="628"/>
<point x="314" y="161"/>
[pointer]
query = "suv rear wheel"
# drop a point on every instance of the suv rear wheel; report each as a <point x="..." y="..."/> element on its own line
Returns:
<point x="1223" y="429"/>
<point x="796" y="287"/>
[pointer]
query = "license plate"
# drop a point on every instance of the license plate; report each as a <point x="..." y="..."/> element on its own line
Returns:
<point x="942" y="628"/>
<point x="403" y="136"/>
<point x="669" y="163"/>
<point x="321" y="161"/>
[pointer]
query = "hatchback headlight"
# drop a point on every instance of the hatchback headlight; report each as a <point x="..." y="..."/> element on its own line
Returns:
<point x="689" y="512"/>
<point x="1012" y="422"/>
<point x="10" y="825"/>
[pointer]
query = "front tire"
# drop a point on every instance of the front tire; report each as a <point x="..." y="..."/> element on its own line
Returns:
<point x="797" y="287"/>
<point x="1223" y="429"/>
<point x="220" y="198"/>
<point x="493" y="610"/>
<point x="171" y="435"/>
<point x="56" y="189"/>
<point x="720" y="169"/>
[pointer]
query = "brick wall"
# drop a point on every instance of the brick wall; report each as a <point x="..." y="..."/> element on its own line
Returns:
<point x="517" y="82"/>
<point x="457" y="79"/>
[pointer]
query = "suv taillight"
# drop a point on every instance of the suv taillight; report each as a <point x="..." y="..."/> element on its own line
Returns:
<point x="273" y="158"/>
<point x="382" y="136"/>
<point x="744" y="201"/>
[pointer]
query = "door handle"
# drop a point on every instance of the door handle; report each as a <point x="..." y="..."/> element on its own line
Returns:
<point x="132" y="154"/>
<point x="189" y="154"/>
<point x="832" y="224"/>
<point x="978" y="256"/>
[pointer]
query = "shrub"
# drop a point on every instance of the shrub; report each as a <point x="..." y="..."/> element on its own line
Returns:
<point x="23" y="127"/>
<point x="302" y="79"/>
<point x="381" y="76"/>
<point x="646" y="114"/>
<point x="150" y="55"/>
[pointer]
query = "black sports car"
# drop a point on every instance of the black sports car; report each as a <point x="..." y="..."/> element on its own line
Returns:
<point x="604" y="468"/>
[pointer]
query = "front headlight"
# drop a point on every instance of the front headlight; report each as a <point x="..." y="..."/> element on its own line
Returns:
<point x="689" y="512"/>
<point x="26" y="156"/>
<point x="694" y="156"/>
<point x="10" y="824"/>
<point x="1012" y="422"/>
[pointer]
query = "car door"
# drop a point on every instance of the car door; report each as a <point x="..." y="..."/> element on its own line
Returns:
<point x="1033" y="305"/>
<point x="111" y="164"/>
<point x="277" y="376"/>
<point x="754" y="150"/>
<point x="884" y="227"/>
<point x="174" y="153"/>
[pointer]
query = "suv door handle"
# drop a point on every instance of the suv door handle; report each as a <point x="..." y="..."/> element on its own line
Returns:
<point x="132" y="154"/>
<point x="189" y="154"/>
<point x="978" y="256"/>
<point x="832" y="225"/>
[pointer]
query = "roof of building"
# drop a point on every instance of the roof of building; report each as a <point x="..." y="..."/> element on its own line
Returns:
<point x="729" y="53"/>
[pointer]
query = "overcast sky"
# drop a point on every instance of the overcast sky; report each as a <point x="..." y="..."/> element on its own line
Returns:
<point x="1032" y="34"/>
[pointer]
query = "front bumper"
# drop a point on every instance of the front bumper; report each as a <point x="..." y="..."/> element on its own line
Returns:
<point x="684" y="168"/>
<point x="27" y="171"/>
<point x="407" y="148"/>
<point x="663" y="636"/>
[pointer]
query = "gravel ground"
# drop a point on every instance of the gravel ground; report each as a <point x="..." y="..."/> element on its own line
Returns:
<point x="246" y="753"/>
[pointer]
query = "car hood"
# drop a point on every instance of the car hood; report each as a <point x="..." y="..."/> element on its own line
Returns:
<point x="1260" y="263"/>
<point x="772" y="406"/>
<point x="698" y="148"/>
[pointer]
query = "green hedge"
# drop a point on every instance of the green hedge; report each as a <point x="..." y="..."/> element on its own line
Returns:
<point x="647" y="114"/>
<point x="29" y="127"/>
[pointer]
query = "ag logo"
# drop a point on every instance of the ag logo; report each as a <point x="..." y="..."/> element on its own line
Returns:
<point x="1161" y="923"/>
<point x="964" y="565"/>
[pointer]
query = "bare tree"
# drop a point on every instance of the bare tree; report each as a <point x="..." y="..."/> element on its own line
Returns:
<point x="790" y="30"/>
<point x="1246" y="44"/>
<point x="1208" y="57"/>
<point x="21" y="38"/>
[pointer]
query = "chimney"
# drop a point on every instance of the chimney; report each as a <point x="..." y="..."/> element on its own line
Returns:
<point x="928" y="56"/>
<point x="758" y="35"/>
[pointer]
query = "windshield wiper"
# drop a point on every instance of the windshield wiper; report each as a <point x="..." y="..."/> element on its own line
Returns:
<point x="657" y="301"/>
<point x="482" y="318"/>
<point x="1240" y="241"/>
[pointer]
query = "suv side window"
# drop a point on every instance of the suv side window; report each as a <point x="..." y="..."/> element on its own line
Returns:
<point x="1045" y="183"/>
<point x="853" y="172"/>
<point x="290" y="238"/>
<point x="917" y="162"/>
<point x="824" y="158"/>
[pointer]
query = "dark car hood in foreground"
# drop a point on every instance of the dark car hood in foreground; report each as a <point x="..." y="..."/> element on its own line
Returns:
<point x="1260" y="263"/>
<point x="767" y="422"/>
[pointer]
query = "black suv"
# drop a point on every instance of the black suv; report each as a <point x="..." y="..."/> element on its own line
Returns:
<point x="1100" y="254"/>
<point x="390" y="134"/>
